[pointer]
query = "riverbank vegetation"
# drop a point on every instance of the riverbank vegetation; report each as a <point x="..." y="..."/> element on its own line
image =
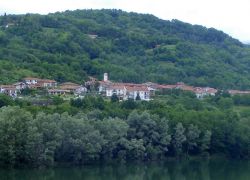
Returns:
<point x="94" y="129"/>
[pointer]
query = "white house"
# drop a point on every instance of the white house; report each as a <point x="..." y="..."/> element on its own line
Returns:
<point x="138" y="91"/>
<point x="9" y="90"/>
<point x="58" y="92"/>
<point x="201" y="92"/>
<point x="74" y="88"/>
<point x="20" y="85"/>
<point x="117" y="89"/>
<point x="125" y="91"/>
<point x="40" y="83"/>
<point x="47" y="83"/>
<point x="31" y="80"/>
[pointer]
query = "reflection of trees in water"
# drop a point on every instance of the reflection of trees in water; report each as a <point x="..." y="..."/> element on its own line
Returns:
<point x="171" y="170"/>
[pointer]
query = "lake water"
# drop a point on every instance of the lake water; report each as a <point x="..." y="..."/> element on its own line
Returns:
<point x="171" y="170"/>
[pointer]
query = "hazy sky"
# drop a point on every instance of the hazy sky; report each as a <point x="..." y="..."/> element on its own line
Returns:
<point x="230" y="16"/>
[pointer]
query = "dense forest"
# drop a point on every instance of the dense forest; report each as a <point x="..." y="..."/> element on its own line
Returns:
<point x="174" y="125"/>
<point x="131" y="47"/>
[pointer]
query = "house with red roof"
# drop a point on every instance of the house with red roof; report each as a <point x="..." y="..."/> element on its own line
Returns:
<point x="126" y="91"/>
<point x="201" y="92"/>
<point x="117" y="89"/>
<point x="74" y="88"/>
<point x="138" y="90"/>
<point x="9" y="90"/>
<point x="34" y="83"/>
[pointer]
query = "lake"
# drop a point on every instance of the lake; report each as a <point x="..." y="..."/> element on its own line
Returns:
<point x="171" y="170"/>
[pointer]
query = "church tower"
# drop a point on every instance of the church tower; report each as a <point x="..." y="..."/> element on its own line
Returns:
<point x="105" y="77"/>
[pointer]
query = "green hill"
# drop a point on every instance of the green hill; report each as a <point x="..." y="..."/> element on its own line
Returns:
<point x="131" y="47"/>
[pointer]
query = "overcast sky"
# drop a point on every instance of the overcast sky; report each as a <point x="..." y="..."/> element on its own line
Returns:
<point x="230" y="16"/>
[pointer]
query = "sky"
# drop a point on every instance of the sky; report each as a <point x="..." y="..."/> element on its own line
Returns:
<point x="230" y="16"/>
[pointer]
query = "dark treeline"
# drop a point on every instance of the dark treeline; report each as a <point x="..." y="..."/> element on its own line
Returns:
<point x="48" y="138"/>
<point x="94" y="129"/>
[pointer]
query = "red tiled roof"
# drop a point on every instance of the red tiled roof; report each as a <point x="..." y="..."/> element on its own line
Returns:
<point x="238" y="92"/>
<point x="47" y="81"/>
<point x="136" y="88"/>
<point x="116" y="86"/>
<point x="70" y="84"/>
<point x="205" y="90"/>
<point x="212" y="90"/>
<point x="166" y="86"/>
<point x="186" y="88"/>
<point x="38" y="85"/>
<point x="18" y="83"/>
<point x="8" y="87"/>
<point x="41" y="80"/>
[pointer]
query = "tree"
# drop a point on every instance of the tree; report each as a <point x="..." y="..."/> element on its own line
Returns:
<point x="136" y="149"/>
<point x="114" y="98"/>
<point x="138" y="98"/>
<point x="49" y="134"/>
<point x="5" y="100"/>
<point x="152" y="130"/>
<point x="57" y="100"/>
<point x="81" y="142"/>
<point x="113" y="131"/>
<point x="14" y="130"/>
<point x="225" y="103"/>
<point x="129" y="104"/>
<point x="178" y="139"/>
<point x="192" y="136"/>
<point x="205" y="141"/>
<point x="76" y="102"/>
<point x="164" y="138"/>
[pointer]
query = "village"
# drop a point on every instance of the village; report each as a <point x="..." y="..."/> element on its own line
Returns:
<point x="106" y="88"/>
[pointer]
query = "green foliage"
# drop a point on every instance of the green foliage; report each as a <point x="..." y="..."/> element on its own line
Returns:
<point x="241" y="100"/>
<point x="57" y="100"/>
<point x="205" y="141"/>
<point x="14" y="130"/>
<point x="49" y="134"/>
<point x="88" y="102"/>
<point x="81" y="141"/>
<point x="114" y="98"/>
<point x="129" y="104"/>
<point x="225" y="103"/>
<point x="90" y="129"/>
<point x="178" y="139"/>
<point x="5" y="100"/>
<point x="131" y="47"/>
<point x="192" y="135"/>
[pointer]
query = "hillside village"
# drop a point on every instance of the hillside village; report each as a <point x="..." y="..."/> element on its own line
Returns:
<point x="106" y="88"/>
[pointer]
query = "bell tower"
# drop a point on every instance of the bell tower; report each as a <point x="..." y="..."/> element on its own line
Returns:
<point x="105" y="77"/>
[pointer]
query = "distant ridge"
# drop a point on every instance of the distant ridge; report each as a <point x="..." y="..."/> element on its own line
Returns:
<point x="72" y="45"/>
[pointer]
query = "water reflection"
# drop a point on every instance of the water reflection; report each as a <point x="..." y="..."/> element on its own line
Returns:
<point x="171" y="170"/>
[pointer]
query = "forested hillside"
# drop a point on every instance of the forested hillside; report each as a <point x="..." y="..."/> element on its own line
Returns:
<point x="131" y="47"/>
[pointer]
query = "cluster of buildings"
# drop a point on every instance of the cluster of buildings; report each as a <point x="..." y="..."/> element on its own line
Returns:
<point x="51" y="86"/>
<point x="124" y="91"/>
<point x="107" y="88"/>
<point x="200" y="92"/>
<point x="145" y="91"/>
